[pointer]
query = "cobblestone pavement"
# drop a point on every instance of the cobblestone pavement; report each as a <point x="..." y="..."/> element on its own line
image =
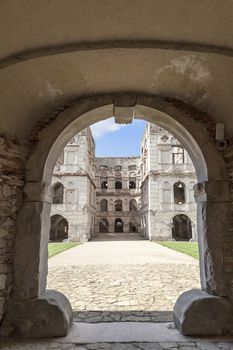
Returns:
<point x="199" y="345"/>
<point x="124" y="292"/>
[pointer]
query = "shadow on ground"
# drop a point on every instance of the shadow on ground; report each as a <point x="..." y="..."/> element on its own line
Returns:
<point x="122" y="316"/>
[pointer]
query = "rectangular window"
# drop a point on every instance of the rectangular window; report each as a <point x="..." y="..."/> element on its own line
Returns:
<point x="177" y="155"/>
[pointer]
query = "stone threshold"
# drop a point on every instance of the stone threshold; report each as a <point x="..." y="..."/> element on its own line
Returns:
<point x="122" y="316"/>
<point x="128" y="332"/>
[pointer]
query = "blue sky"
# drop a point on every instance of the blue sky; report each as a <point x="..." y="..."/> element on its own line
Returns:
<point x="118" y="140"/>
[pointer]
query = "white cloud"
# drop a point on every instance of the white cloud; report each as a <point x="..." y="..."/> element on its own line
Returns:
<point x="101" y="128"/>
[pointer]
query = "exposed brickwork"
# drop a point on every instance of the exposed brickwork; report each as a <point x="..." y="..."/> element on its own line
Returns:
<point x="195" y="114"/>
<point x="45" y="121"/>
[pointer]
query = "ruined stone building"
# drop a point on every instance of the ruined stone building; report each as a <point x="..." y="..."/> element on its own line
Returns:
<point x="74" y="208"/>
<point x="168" y="208"/>
<point x="118" y="195"/>
<point x="65" y="65"/>
<point x="151" y="194"/>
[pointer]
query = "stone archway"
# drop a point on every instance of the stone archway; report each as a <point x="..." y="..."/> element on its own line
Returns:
<point x="211" y="192"/>
<point x="181" y="228"/>
<point x="58" y="228"/>
<point x="119" y="226"/>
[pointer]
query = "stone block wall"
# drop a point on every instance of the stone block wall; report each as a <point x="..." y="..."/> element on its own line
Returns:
<point x="12" y="159"/>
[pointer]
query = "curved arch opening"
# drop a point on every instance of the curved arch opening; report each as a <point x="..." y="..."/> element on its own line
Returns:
<point x="58" y="193"/>
<point x="80" y="121"/>
<point x="59" y="228"/>
<point x="104" y="205"/>
<point x="181" y="228"/>
<point x="119" y="226"/>
<point x="118" y="185"/>
<point x="179" y="192"/>
<point x="180" y="126"/>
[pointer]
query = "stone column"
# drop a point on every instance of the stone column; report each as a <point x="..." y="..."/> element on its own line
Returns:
<point x="213" y="215"/>
<point x="111" y="226"/>
<point x="33" y="311"/>
<point x="209" y="311"/>
<point x="111" y="183"/>
<point x="125" y="183"/>
<point x="111" y="205"/>
<point x="125" y="204"/>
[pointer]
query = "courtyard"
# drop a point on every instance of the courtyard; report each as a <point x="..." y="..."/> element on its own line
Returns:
<point x="122" y="280"/>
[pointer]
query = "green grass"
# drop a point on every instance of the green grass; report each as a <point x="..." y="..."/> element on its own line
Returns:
<point x="189" y="248"/>
<point x="56" y="248"/>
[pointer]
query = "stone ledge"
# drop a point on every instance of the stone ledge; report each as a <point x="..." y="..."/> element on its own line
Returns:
<point x="197" y="313"/>
<point x="47" y="316"/>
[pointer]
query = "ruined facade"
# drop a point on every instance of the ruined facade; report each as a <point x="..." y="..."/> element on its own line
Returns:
<point x="74" y="208"/>
<point x="168" y="208"/>
<point x="151" y="195"/>
<point x="118" y="195"/>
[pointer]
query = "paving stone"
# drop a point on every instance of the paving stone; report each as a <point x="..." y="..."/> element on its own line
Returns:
<point x="225" y="346"/>
<point x="206" y="345"/>
<point x="150" y="289"/>
<point x="149" y="346"/>
<point x="166" y="346"/>
<point x="122" y="346"/>
<point x="199" y="345"/>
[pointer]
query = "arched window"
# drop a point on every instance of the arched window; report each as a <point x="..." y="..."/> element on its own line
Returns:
<point x="133" y="205"/>
<point x="58" y="228"/>
<point x="181" y="228"/>
<point x="104" y="184"/>
<point x="132" y="184"/>
<point x="119" y="225"/>
<point x="58" y="193"/>
<point x="103" y="225"/>
<point x="118" y="205"/>
<point x="104" y="205"/>
<point x="179" y="192"/>
<point x="118" y="184"/>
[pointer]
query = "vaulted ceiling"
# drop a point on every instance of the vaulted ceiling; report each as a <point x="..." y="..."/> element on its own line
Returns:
<point x="53" y="51"/>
